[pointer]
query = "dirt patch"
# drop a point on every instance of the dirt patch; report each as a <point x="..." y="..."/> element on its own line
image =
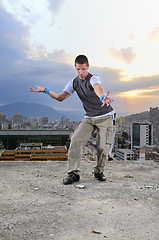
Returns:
<point x="34" y="203"/>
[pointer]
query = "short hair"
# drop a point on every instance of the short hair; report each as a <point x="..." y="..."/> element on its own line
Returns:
<point x="81" y="59"/>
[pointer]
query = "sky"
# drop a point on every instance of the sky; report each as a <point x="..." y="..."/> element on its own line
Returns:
<point x="39" y="40"/>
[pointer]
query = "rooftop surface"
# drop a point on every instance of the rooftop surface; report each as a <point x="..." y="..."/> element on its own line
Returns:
<point x="34" y="203"/>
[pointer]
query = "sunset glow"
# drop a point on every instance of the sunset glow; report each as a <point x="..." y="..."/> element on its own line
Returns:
<point x="137" y="92"/>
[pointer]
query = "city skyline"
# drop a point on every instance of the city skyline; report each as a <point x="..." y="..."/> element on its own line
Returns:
<point x="39" y="41"/>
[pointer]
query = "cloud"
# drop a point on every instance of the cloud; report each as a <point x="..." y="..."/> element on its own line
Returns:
<point x="138" y="83"/>
<point x="109" y="77"/>
<point x="55" y="5"/>
<point x="28" y="12"/>
<point x="60" y="56"/>
<point x="154" y="35"/>
<point x="112" y="80"/>
<point x="18" y="73"/>
<point x="137" y="95"/>
<point x="125" y="54"/>
<point x="12" y="33"/>
<point x="13" y="43"/>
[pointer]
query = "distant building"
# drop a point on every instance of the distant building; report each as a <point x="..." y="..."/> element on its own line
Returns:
<point x="44" y="120"/>
<point x="35" y="151"/>
<point x="154" y="119"/>
<point x="11" y="138"/>
<point x="65" y="120"/>
<point x="146" y="152"/>
<point x="3" y="117"/>
<point x="17" y="118"/>
<point x="124" y="154"/>
<point x="141" y="134"/>
<point x="120" y="124"/>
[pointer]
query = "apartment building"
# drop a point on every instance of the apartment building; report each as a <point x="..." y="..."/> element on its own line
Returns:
<point x="141" y="134"/>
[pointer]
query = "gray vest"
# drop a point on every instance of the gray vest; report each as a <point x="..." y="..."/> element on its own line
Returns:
<point x="90" y="100"/>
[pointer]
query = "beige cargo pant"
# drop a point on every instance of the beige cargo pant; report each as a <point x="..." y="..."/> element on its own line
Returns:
<point x="81" y="136"/>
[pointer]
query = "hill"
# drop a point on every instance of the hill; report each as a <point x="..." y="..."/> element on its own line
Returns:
<point x="138" y="117"/>
<point x="31" y="110"/>
<point x="39" y="110"/>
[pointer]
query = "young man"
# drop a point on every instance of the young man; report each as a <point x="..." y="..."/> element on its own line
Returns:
<point x="99" y="114"/>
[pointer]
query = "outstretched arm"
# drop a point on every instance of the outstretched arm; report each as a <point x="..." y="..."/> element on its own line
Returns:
<point x="59" y="97"/>
<point x="100" y="92"/>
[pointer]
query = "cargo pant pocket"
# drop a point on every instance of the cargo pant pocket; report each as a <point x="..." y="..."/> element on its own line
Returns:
<point x="109" y="135"/>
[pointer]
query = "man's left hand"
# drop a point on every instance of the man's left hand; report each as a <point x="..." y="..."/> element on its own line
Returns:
<point x="107" y="100"/>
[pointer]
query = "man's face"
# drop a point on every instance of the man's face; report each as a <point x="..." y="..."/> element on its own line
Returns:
<point x="82" y="70"/>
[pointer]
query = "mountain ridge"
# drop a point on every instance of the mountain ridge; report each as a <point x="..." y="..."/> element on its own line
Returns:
<point x="31" y="110"/>
<point x="38" y="110"/>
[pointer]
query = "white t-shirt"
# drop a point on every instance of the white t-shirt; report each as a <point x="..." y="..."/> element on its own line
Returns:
<point x="69" y="86"/>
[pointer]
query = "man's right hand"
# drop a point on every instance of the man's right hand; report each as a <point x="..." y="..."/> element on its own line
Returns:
<point x="39" y="89"/>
